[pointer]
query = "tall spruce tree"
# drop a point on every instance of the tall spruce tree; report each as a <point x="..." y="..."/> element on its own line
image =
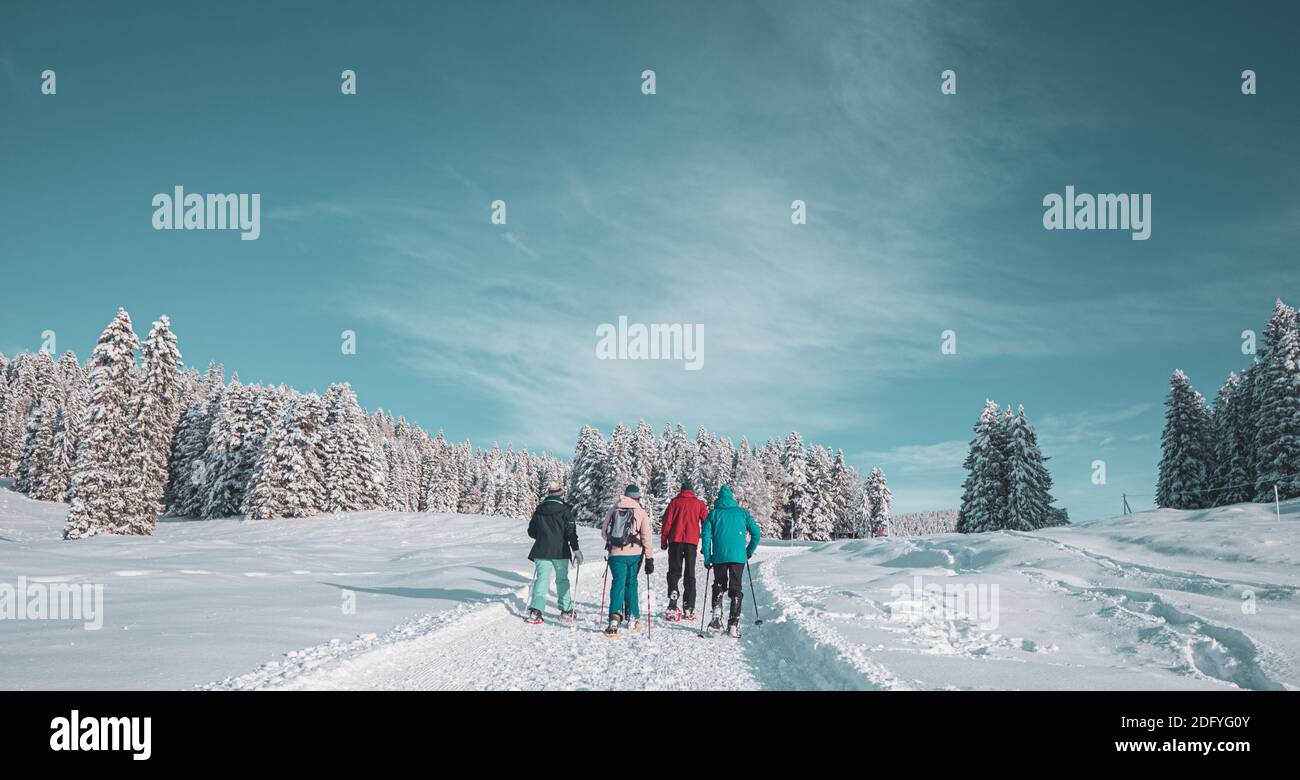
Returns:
<point x="1028" y="482"/>
<point x="1184" y="476"/>
<point x="879" y="500"/>
<point x="1277" y="436"/>
<point x="984" y="493"/>
<point x="106" y="492"/>
<point x="158" y="411"/>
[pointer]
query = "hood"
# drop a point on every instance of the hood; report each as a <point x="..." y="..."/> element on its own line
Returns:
<point x="628" y="501"/>
<point x="724" y="500"/>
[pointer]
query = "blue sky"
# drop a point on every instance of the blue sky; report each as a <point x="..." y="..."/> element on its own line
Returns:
<point x="924" y="210"/>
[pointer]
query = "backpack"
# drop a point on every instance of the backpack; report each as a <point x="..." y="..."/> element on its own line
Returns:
<point x="620" y="528"/>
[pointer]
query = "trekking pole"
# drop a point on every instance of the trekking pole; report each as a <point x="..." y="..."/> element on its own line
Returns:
<point x="649" y="604"/>
<point x="577" y="577"/>
<point x="603" y="583"/>
<point x="707" y="572"/>
<point x="528" y="599"/>
<point x="757" y="620"/>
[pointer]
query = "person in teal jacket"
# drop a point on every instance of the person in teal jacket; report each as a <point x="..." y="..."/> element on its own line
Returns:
<point x="728" y="540"/>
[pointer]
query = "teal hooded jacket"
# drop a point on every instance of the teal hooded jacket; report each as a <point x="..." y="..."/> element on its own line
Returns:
<point x="722" y="537"/>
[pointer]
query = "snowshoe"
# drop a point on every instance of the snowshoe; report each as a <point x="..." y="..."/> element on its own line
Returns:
<point x="636" y="625"/>
<point x="716" y="623"/>
<point x="688" y="615"/>
<point x="534" y="617"/>
<point x="733" y="628"/>
<point x="673" y="616"/>
<point x="611" y="631"/>
<point x="567" y="618"/>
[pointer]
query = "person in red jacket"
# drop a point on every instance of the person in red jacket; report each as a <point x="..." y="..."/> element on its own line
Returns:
<point x="680" y="536"/>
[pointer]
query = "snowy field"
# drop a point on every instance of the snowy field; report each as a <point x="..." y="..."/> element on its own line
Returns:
<point x="1159" y="600"/>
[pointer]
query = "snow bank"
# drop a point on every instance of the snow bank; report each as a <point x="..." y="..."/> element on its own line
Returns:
<point x="204" y="600"/>
<point x="1159" y="600"/>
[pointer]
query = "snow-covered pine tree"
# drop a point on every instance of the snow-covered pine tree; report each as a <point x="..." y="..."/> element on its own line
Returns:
<point x="646" y="471"/>
<point x="38" y="451"/>
<point x="1230" y="483"/>
<point x="706" y="466"/>
<point x="1028" y="495"/>
<point x="819" y="525"/>
<point x="796" y="488"/>
<point x="104" y="490"/>
<point x="1278" y="413"/>
<point x="878" y="500"/>
<point x="444" y="482"/>
<point x="288" y="477"/>
<point x="158" y="412"/>
<point x="41" y="393"/>
<point x="233" y="449"/>
<point x="751" y="488"/>
<point x="57" y="478"/>
<point x="591" y="477"/>
<point x="19" y="401"/>
<point x="847" y="497"/>
<point x="1183" y="481"/>
<point x="984" y="492"/>
<point x="351" y="465"/>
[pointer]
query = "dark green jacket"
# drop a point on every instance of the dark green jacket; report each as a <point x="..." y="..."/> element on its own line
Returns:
<point x="555" y="530"/>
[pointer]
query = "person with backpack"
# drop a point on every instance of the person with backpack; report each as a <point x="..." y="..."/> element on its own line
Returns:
<point x="628" y="539"/>
<point x="556" y="534"/>
<point x="726" y="551"/>
<point x="680" y="536"/>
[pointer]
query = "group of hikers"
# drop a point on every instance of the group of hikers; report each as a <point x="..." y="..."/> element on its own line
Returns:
<point x="725" y="536"/>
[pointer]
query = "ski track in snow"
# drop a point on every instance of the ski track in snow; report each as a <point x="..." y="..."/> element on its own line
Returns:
<point x="490" y="647"/>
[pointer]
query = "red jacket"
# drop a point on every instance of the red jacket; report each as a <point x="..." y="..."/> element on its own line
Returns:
<point x="682" y="520"/>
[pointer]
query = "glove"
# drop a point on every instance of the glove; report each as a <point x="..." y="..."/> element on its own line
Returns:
<point x="708" y="565"/>
<point x="649" y="565"/>
<point x="577" y="557"/>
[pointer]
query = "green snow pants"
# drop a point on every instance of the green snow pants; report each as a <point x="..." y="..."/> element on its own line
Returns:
<point x="545" y="569"/>
<point x="622" y="585"/>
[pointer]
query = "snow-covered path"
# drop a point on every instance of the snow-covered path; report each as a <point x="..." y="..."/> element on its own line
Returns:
<point x="491" y="647"/>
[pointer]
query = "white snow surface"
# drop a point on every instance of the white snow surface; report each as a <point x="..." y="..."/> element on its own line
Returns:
<point x="1158" y="600"/>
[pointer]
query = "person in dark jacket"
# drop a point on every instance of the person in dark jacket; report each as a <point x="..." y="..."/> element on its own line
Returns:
<point x="680" y="536"/>
<point x="556" y="532"/>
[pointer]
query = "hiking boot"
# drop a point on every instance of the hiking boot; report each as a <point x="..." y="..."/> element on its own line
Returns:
<point x="534" y="616"/>
<point x="733" y="627"/>
<point x="688" y="614"/>
<point x="716" y="623"/>
<point x="615" y="620"/>
<point x="567" y="617"/>
<point x="636" y="625"/>
<point x="672" y="601"/>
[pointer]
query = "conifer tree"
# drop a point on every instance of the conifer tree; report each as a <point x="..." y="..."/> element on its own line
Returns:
<point x="1277" y="414"/>
<point x="158" y="411"/>
<point x="879" y="500"/>
<point x="984" y="493"/>
<point x="105" y="492"/>
<point x="1185" y="445"/>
